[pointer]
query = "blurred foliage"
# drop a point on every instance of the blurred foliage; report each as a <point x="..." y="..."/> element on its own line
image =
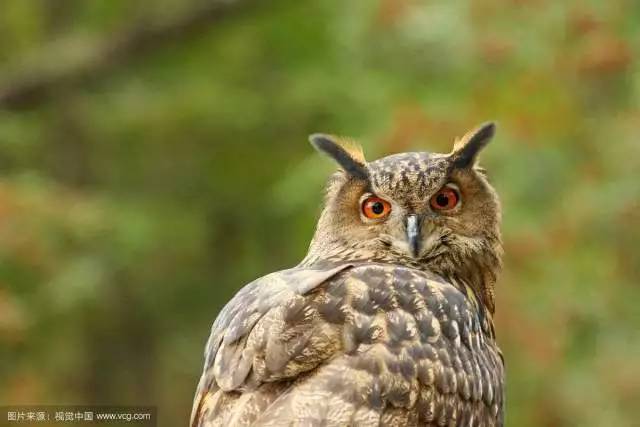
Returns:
<point x="139" y="194"/>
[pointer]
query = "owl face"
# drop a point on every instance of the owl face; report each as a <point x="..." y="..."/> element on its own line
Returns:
<point x="418" y="205"/>
<point x="432" y="211"/>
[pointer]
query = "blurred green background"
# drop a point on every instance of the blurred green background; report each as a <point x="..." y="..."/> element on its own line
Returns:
<point x="153" y="159"/>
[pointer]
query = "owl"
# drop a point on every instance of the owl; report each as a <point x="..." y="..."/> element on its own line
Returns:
<point x="388" y="318"/>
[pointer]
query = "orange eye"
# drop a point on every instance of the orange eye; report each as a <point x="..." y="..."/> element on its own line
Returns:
<point x="375" y="208"/>
<point x="445" y="199"/>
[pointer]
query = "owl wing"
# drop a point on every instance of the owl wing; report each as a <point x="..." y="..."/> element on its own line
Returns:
<point x="251" y="326"/>
<point x="369" y="344"/>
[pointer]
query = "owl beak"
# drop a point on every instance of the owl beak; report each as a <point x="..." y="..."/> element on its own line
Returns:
<point x="413" y="234"/>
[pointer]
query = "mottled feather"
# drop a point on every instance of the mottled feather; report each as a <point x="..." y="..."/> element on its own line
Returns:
<point x="409" y="349"/>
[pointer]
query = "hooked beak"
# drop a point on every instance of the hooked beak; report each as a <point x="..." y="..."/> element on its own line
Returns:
<point x="413" y="234"/>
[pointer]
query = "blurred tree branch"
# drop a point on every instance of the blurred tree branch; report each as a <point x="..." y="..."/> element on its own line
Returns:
<point x="30" y="87"/>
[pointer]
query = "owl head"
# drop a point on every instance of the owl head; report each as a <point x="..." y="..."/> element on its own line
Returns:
<point x="435" y="212"/>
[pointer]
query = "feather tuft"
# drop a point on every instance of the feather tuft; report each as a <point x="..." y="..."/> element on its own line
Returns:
<point x="345" y="151"/>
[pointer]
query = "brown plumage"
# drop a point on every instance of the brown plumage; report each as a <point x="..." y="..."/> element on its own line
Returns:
<point x="387" y="320"/>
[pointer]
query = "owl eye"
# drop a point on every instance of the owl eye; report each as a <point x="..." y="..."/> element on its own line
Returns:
<point x="445" y="199"/>
<point x="375" y="208"/>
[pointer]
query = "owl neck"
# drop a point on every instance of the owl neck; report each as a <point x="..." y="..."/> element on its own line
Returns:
<point x="476" y="268"/>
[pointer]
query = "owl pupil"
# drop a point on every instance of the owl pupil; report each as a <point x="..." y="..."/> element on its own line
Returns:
<point x="442" y="200"/>
<point x="377" y="208"/>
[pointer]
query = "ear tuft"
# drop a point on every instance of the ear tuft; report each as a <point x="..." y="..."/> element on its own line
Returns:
<point x="466" y="149"/>
<point x="346" y="152"/>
